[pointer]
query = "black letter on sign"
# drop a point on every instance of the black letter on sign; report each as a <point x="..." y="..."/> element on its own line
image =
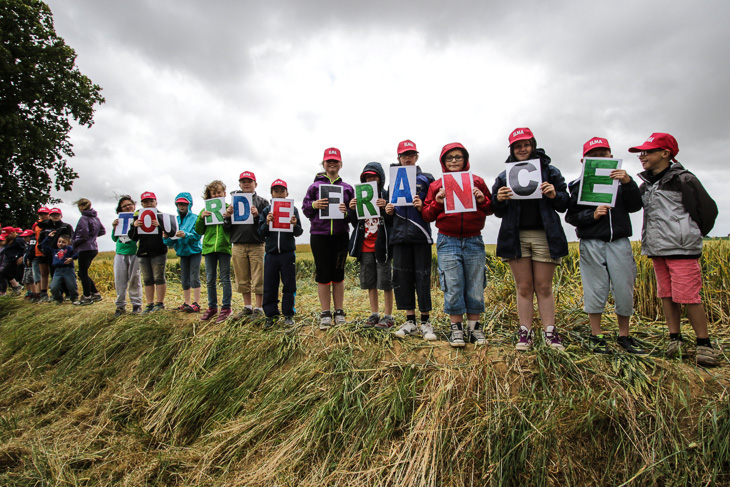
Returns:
<point x="514" y="180"/>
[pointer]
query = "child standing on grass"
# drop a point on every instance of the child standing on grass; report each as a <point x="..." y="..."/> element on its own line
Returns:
<point x="217" y="252"/>
<point x="531" y="238"/>
<point x="606" y="258"/>
<point x="152" y="253"/>
<point x="64" y="276"/>
<point x="84" y="241"/>
<point x="279" y="262"/>
<point x="187" y="246"/>
<point x="678" y="212"/>
<point x="248" y="251"/>
<point x="329" y="240"/>
<point x="12" y="258"/>
<point x="126" y="265"/>
<point x="40" y="262"/>
<point x="460" y="248"/>
<point x="369" y="245"/>
<point x="31" y="293"/>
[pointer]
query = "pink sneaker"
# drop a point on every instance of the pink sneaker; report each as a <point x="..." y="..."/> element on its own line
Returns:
<point x="208" y="314"/>
<point x="223" y="315"/>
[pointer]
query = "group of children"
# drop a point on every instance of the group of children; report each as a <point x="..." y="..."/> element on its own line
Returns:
<point x="394" y="249"/>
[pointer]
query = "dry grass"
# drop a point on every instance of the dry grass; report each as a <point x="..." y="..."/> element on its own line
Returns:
<point x="165" y="400"/>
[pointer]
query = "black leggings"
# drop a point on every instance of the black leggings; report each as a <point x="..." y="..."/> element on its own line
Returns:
<point x="87" y="284"/>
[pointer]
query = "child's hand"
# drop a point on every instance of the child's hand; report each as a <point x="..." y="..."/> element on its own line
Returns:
<point x="115" y="222"/>
<point x="270" y="218"/>
<point x="353" y="202"/>
<point x="417" y="203"/>
<point x="155" y="223"/>
<point x="293" y="220"/>
<point x="380" y="202"/>
<point x="600" y="212"/>
<point x="68" y="260"/>
<point x="621" y="175"/>
<point x="548" y="189"/>
<point x="504" y="193"/>
<point x="440" y="195"/>
<point x="180" y="234"/>
<point x="390" y="209"/>
<point x="52" y="233"/>
<point x="343" y="208"/>
<point x="320" y="204"/>
<point x="205" y="213"/>
<point x="137" y="223"/>
<point x="19" y="261"/>
<point x="229" y="211"/>
<point x="254" y="211"/>
<point x="478" y="195"/>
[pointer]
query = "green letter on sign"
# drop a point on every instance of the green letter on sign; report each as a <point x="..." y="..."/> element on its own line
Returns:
<point x="597" y="187"/>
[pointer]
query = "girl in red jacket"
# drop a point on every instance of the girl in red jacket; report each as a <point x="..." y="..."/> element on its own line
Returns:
<point x="460" y="249"/>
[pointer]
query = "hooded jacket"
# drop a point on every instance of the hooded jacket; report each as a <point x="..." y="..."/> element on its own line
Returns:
<point x="247" y="234"/>
<point x="678" y="212"/>
<point x="87" y="229"/>
<point x="613" y="226"/>
<point x="317" y="225"/>
<point x="279" y="242"/>
<point x="508" y="240"/>
<point x="408" y="225"/>
<point x="190" y="243"/>
<point x="382" y="250"/>
<point x="461" y="225"/>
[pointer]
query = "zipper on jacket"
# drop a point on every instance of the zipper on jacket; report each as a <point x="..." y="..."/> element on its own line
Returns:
<point x="610" y="224"/>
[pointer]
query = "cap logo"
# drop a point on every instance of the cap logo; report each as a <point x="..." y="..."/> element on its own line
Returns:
<point x="407" y="144"/>
<point x="518" y="132"/>
<point x="596" y="141"/>
<point x="332" y="152"/>
<point x="650" y="139"/>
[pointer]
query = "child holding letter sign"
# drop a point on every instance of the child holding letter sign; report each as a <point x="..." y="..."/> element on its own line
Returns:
<point x="531" y="238"/>
<point x="126" y="263"/>
<point x="328" y="239"/>
<point x="606" y="258"/>
<point x="369" y="245"/>
<point x="280" y="259"/>
<point x="460" y="247"/>
<point x="678" y="212"/>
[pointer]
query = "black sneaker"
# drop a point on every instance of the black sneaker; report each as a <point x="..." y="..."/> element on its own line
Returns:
<point x="456" y="339"/>
<point x="597" y="344"/>
<point x="289" y="321"/>
<point x="149" y="308"/>
<point x="119" y="312"/>
<point x="630" y="345"/>
<point x="136" y="310"/>
<point x="477" y="335"/>
<point x="269" y="323"/>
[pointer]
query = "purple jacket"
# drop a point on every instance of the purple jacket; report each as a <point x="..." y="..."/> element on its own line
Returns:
<point x="325" y="227"/>
<point x="87" y="229"/>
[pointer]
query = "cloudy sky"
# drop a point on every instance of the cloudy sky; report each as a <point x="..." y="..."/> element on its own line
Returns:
<point x="198" y="91"/>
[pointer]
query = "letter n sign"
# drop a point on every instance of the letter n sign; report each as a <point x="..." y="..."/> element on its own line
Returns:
<point x="596" y="186"/>
<point x="458" y="195"/>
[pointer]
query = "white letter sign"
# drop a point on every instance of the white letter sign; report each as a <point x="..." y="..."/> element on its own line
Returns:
<point x="334" y="195"/>
<point x="147" y="217"/>
<point x="596" y="186"/>
<point x="217" y="206"/>
<point x="524" y="179"/>
<point x="283" y="211"/>
<point x="458" y="195"/>
<point x="403" y="185"/>
<point x="242" y="203"/>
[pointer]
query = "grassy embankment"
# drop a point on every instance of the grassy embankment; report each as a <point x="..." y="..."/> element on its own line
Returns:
<point x="165" y="400"/>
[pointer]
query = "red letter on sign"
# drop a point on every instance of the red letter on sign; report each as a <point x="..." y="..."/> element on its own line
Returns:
<point x="282" y="211"/>
<point x="461" y="190"/>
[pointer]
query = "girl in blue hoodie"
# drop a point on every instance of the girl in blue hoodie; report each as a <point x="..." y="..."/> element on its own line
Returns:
<point x="188" y="247"/>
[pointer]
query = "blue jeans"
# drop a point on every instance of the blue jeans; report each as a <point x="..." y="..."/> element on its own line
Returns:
<point x="61" y="276"/>
<point x="213" y="262"/>
<point x="190" y="271"/>
<point x="462" y="274"/>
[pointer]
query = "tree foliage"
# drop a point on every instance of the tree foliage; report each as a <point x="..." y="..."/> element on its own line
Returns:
<point x="41" y="91"/>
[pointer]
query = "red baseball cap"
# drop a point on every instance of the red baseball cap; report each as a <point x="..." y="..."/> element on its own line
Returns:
<point x="148" y="195"/>
<point x="44" y="209"/>
<point x="520" y="133"/>
<point x="595" y="143"/>
<point x="332" y="153"/>
<point x="279" y="182"/>
<point x="55" y="210"/>
<point x="182" y="200"/>
<point x="6" y="230"/>
<point x="406" y="146"/>
<point x="658" y="140"/>
<point x="247" y="175"/>
<point x="26" y="233"/>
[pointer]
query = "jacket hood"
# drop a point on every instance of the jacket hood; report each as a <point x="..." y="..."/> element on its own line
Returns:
<point x="91" y="213"/>
<point x="538" y="154"/>
<point x="452" y="146"/>
<point x="322" y="177"/>
<point x="375" y="167"/>
<point x="188" y="197"/>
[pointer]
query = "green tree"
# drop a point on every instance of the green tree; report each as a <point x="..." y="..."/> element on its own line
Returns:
<point x="41" y="91"/>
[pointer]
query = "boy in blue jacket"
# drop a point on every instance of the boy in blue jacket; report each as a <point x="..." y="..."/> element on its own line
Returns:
<point x="63" y="267"/>
<point x="279" y="262"/>
<point x="188" y="247"/>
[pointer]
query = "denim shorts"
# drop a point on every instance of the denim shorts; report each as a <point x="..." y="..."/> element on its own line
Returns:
<point x="462" y="273"/>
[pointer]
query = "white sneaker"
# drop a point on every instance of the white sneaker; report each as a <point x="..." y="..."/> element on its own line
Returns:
<point x="409" y="328"/>
<point x="427" y="332"/>
<point x="340" y="317"/>
<point x="325" y="320"/>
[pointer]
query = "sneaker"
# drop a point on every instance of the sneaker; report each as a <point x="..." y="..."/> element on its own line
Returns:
<point x="707" y="356"/>
<point x="373" y="320"/>
<point x="208" y="314"/>
<point x="524" y="339"/>
<point x="675" y="348"/>
<point x="182" y="307"/>
<point x="325" y="320"/>
<point x="340" y="317"/>
<point x="269" y="323"/>
<point x="597" y="344"/>
<point x="96" y="297"/>
<point x="149" y="309"/>
<point x="136" y="310"/>
<point x="477" y="335"/>
<point x="223" y="315"/>
<point x="552" y="338"/>
<point x="289" y="321"/>
<point x="83" y="301"/>
<point x="385" y="323"/>
<point x="630" y="345"/>
<point x="158" y="307"/>
<point x="194" y="308"/>
<point x="427" y="332"/>
<point x="408" y="328"/>
<point x="244" y="313"/>
<point x="44" y="299"/>
<point x="119" y="312"/>
<point x="17" y="290"/>
<point x="257" y="313"/>
<point x="456" y="339"/>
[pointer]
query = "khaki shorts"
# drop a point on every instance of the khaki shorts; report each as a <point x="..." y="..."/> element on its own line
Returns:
<point x="248" y="266"/>
<point x="534" y="244"/>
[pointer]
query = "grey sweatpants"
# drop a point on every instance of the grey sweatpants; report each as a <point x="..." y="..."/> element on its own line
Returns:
<point x="607" y="266"/>
<point x="126" y="276"/>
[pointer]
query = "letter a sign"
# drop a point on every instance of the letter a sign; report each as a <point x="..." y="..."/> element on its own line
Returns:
<point x="403" y="185"/>
<point x="524" y="179"/>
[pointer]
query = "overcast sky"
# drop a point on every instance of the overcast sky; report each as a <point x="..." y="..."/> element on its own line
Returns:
<point x="197" y="91"/>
